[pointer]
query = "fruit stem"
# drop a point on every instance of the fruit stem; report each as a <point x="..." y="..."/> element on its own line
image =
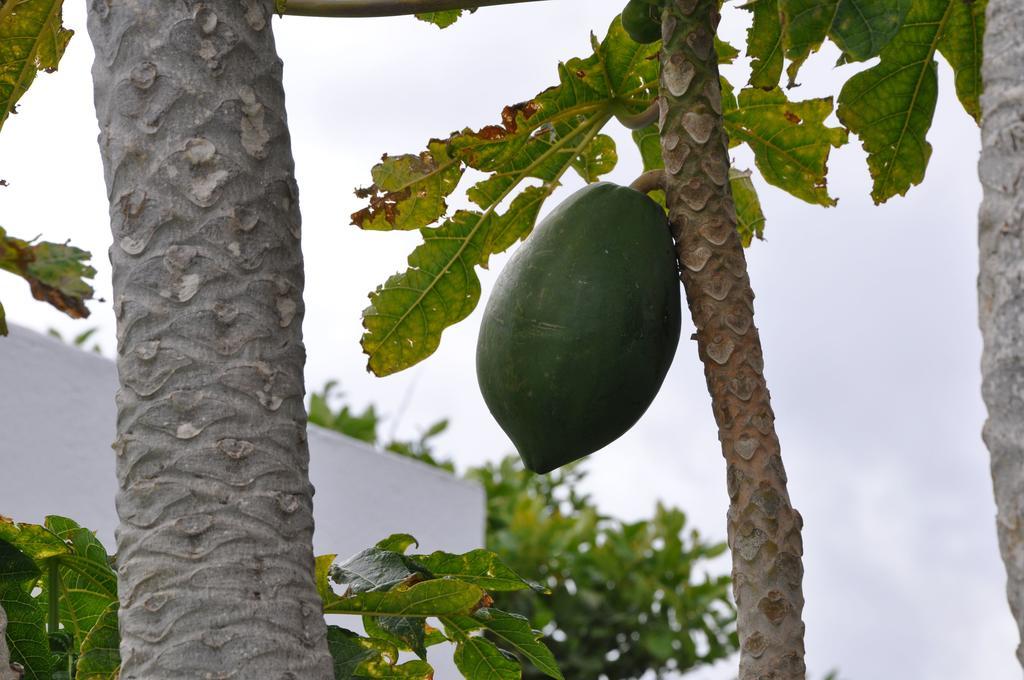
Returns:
<point x="638" y="121"/>
<point x="652" y="180"/>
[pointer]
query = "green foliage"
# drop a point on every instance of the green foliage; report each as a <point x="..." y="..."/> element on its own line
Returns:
<point x="56" y="273"/>
<point x="890" y="106"/>
<point x="539" y="140"/>
<point x="623" y="598"/>
<point x="395" y="594"/>
<point x="32" y="39"/>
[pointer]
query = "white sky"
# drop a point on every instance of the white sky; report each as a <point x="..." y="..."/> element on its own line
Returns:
<point x="867" y="314"/>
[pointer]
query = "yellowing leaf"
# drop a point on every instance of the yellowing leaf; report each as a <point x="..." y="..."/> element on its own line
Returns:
<point x="32" y="39"/>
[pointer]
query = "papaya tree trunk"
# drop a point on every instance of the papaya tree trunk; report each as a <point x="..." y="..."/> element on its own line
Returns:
<point x="6" y="671"/>
<point x="1000" y="285"/>
<point x="214" y="547"/>
<point x="763" y="528"/>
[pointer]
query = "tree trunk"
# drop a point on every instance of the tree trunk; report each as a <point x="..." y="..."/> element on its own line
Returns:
<point x="214" y="548"/>
<point x="7" y="672"/>
<point x="763" y="528"/>
<point x="1000" y="284"/>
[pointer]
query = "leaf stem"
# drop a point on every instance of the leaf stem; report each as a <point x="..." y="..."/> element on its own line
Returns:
<point x="53" y="584"/>
<point x="652" y="180"/>
<point x="380" y="8"/>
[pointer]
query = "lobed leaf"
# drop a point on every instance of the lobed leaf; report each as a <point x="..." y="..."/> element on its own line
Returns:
<point x="26" y="631"/>
<point x="860" y="28"/>
<point x="100" y="655"/>
<point x="790" y="140"/>
<point x="409" y="191"/>
<point x="891" y="105"/>
<point x="15" y="566"/>
<point x="443" y="18"/>
<point x="764" y="43"/>
<point x="56" y="273"/>
<point x="32" y="39"/>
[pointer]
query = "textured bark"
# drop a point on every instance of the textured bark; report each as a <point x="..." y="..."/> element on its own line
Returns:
<point x="214" y="548"/>
<point x="763" y="528"/>
<point x="7" y="672"/>
<point x="1001" y="283"/>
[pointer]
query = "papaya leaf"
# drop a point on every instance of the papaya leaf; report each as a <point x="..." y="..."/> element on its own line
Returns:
<point x="860" y="28"/>
<point x="764" y="44"/>
<point x="322" y="575"/>
<point x="790" y="140"/>
<point x="515" y="632"/>
<point x="87" y="582"/>
<point x="380" y="669"/>
<point x="536" y="142"/>
<point x="750" y="218"/>
<point x="890" y="106"/>
<point x="409" y="191"/>
<point x="15" y="566"/>
<point x="404" y="632"/>
<point x="438" y="597"/>
<point x="481" y="567"/>
<point x="477" y="657"/>
<point x="3" y="320"/>
<point x="443" y="18"/>
<point x="100" y="656"/>
<point x="34" y="540"/>
<point x="32" y="39"/>
<point x="26" y="631"/>
<point x="56" y="273"/>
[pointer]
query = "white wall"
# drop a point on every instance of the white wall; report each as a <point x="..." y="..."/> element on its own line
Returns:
<point x="57" y="420"/>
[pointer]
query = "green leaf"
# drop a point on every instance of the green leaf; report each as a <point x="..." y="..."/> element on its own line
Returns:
<point x="476" y="656"/>
<point x="26" y="631"/>
<point x="360" y="657"/>
<point x="537" y="140"/>
<point x="56" y="273"/>
<point x="764" y="43"/>
<point x="349" y="650"/>
<point x="790" y="140"/>
<point x="439" y="597"/>
<point x="516" y="632"/>
<point x="15" y="566"/>
<point x="860" y="28"/>
<point x="749" y="216"/>
<point x="890" y="106"/>
<point x="409" y="191"/>
<point x="400" y="542"/>
<point x="100" y="657"/>
<point x="35" y="540"/>
<point x="374" y="569"/>
<point x="32" y="39"/>
<point x="88" y="583"/>
<point x="443" y="18"/>
<point x="3" y="321"/>
<point x="481" y="567"/>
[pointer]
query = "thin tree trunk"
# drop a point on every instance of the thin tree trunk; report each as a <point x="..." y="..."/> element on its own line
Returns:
<point x="1001" y="283"/>
<point x="7" y="672"/>
<point x="763" y="528"/>
<point x="215" y="557"/>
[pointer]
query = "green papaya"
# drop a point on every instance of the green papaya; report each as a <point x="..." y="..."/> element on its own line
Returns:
<point x="642" y="20"/>
<point x="581" y="327"/>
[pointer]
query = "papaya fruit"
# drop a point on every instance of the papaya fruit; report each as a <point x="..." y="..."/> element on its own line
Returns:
<point x="642" y="20"/>
<point x="581" y="326"/>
